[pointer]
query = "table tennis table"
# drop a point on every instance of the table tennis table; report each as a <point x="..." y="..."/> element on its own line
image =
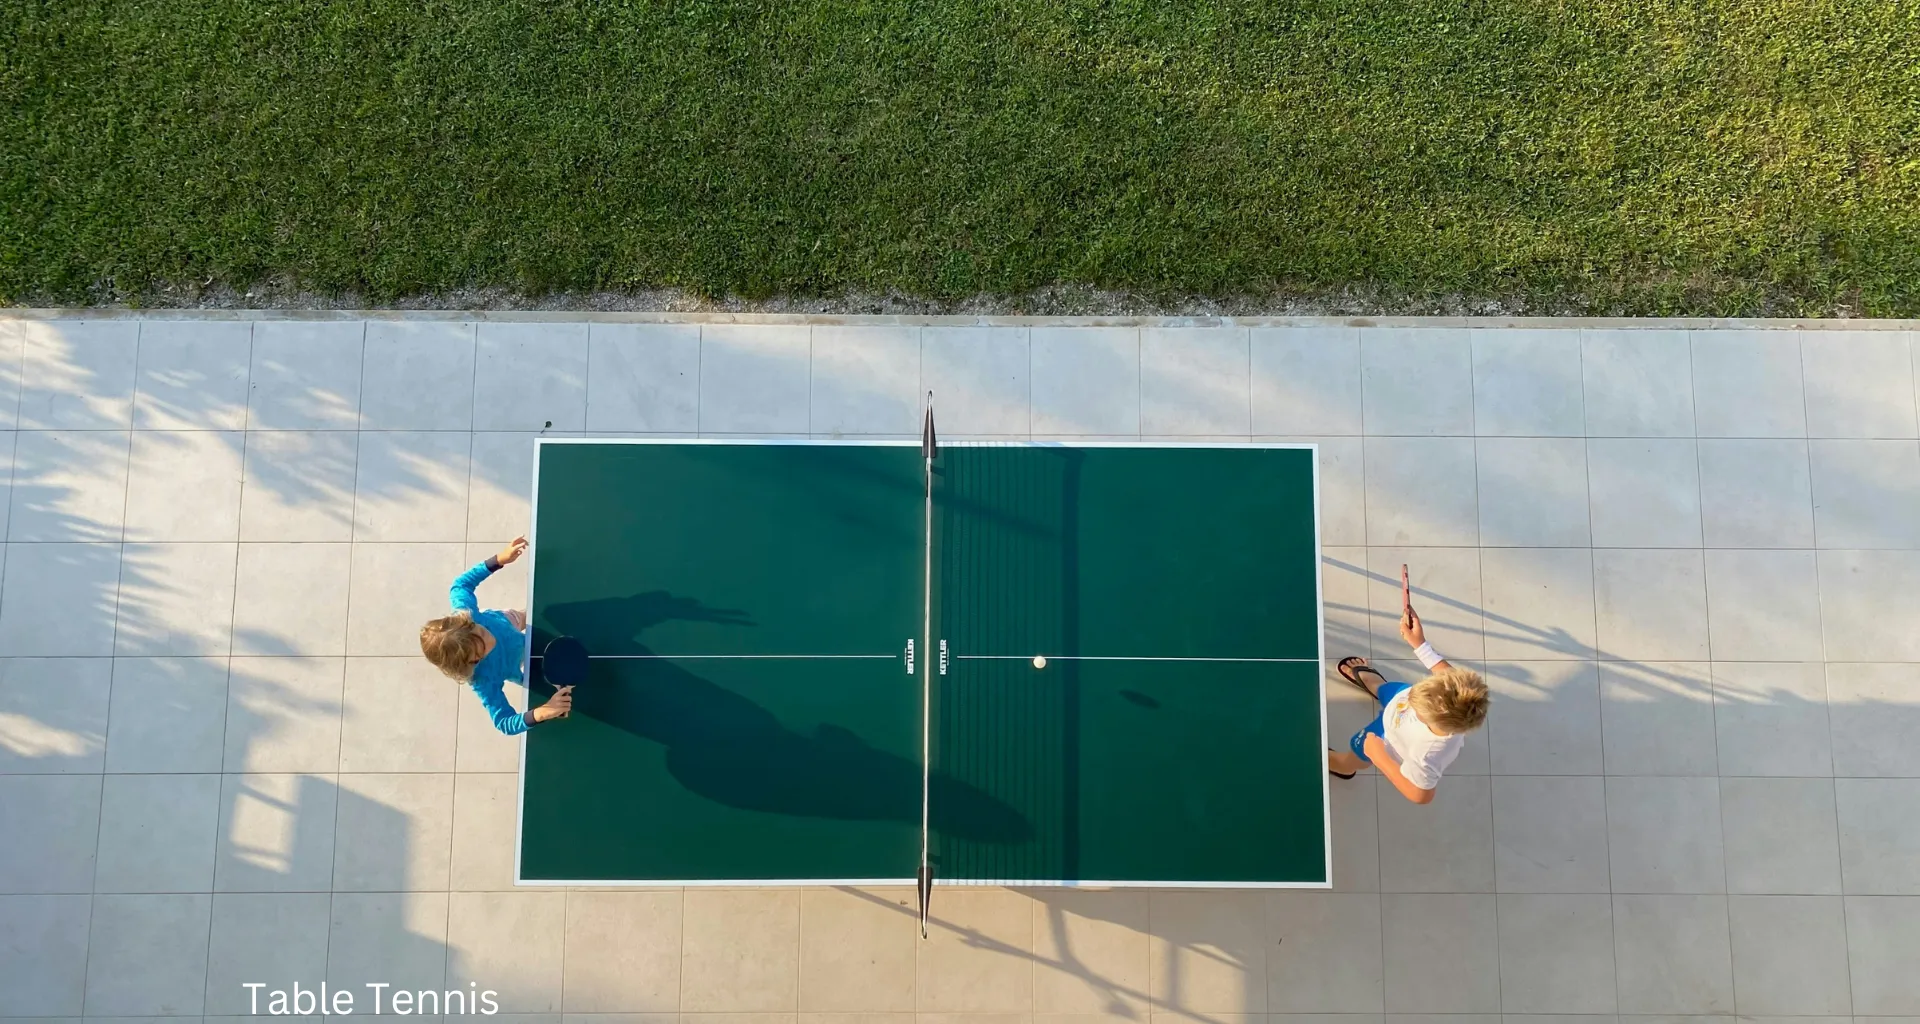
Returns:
<point x="810" y="666"/>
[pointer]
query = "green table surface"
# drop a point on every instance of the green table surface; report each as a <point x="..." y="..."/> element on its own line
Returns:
<point x="749" y="714"/>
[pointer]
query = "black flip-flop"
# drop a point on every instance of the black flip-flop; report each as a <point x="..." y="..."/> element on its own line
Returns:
<point x="1339" y="775"/>
<point x="1358" y="664"/>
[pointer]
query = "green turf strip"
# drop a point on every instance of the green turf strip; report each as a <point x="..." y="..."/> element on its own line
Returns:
<point x="1709" y="156"/>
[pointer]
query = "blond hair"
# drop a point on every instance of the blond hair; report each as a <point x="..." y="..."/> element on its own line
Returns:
<point x="455" y="644"/>
<point x="1450" y="702"/>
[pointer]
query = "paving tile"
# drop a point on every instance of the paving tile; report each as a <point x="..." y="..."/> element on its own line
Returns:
<point x="175" y="599"/>
<point x="283" y="714"/>
<point x="510" y="942"/>
<point x="1421" y="491"/>
<point x="979" y="377"/>
<point x="1871" y="707"/>
<point x="1090" y="952"/>
<point x="1550" y="835"/>
<point x="399" y="938"/>
<point x="147" y="954"/>
<point x="498" y="504"/>
<point x="394" y="588"/>
<point x="866" y="380"/>
<point x="275" y="938"/>
<point x="291" y="599"/>
<point x="1539" y="603"/>
<point x="754" y="379"/>
<point x="1645" y="492"/>
<point x="1657" y="719"/>
<point x="857" y="950"/>
<point x="1086" y="380"/>
<point x="1789" y="954"/>
<point x="643" y="377"/>
<point x="1209" y="952"/>
<point x="398" y="716"/>
<point x="1526" y="383"/>
<point x="1866" y="494"/>
<point x="1879" y="836"/>
<point x="1780" y="836"/>
<point x="157" y="833"/>
<point x="1859" y="383"/>
<point x="411" y="486"/>
<point x="623" y="952"/>
<point x="975" y="958"/>
<point x="1441" y="953"/>
<point x="276" y="834"/>
<point x="1548" y="721"/>
<point x="1195" y="380"/>
<point x="1856" y="588"/>
<point x="1755" y="493"/>
<point x="1747" y="383"/>
<point x="78" y="374"/>
<point x="1672" y="954"/>
<point x="1650" y="604"/>
<point x="52" y="824"/>
<point x="1771" y="719"/>
<point x="530" y="376"/>
<point x="53" y="715"/>
<point x="193" y="375"/>
<point x="1637" y="383"/>
<point x="1763" y="605"/>
<point x="1532" y="491"/>
<point x="1417" y="380"/>
<point x="68" y="485"/>
<point x="1663" y="835"/>
<point x="1446" y="594"/>
<point x="419" y="375"/>
<point x="306" y="375"/>
<point x="168" y="714"/>
<point x="1556" y="953"/>
<point x="1883" y="944"/>
<point x="43" y="954"/>
<point x="1344" y="598"/>
<point x="299" y="485"/>
<point x="486" y="810"/>
<point x="391" y="832"/>
<point x="1445" y="846"/>
<point x="1306" y="380"/>
<point x="741" y="950"/>
<point x="1324" y="953"/>
<point x="1354" y="808"/>
<point x="8" y="442"/>
<point x="184" y="485"/>
<point x="58" y="600"/>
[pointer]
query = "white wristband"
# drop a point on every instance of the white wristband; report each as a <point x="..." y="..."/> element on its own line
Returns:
<point x="1427" y="655"/>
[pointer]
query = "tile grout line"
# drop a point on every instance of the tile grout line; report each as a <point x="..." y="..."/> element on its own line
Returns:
<point x="1480" y="579"/>
<point x="353" y="512"/>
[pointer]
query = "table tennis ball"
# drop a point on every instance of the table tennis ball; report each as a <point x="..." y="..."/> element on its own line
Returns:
<point x="1039" y="661"/>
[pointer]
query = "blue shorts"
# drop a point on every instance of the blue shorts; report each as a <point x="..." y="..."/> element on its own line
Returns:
<point x="1378" y="727"/>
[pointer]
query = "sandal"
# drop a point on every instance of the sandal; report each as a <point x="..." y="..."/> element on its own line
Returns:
<point x="1339" y="775"/>
<point x="1350" y="668"/>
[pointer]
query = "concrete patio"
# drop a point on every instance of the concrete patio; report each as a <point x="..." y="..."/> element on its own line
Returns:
<point x="1686" y="555"/>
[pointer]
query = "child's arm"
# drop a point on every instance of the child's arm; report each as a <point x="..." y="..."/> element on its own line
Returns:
<point x="1416" y="637"/>
<point x="1376" y="749"/>
<point x="462" y="597"/>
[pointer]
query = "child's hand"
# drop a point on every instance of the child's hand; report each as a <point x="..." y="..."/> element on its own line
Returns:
<point x="1410" y="629"/>
<point x="1375" y="747"/>
<point x="560" y="705"/>
<point x="517" y="618"/>
<point x="512" y="552"/>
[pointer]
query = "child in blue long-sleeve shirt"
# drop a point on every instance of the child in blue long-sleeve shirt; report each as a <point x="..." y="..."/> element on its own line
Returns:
<point x="485" y="648"/>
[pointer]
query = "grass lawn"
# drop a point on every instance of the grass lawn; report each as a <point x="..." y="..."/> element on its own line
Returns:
<point x="1640" y="156"/>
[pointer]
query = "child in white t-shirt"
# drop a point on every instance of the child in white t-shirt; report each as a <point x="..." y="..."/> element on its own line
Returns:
<point x="1420" y="728"/>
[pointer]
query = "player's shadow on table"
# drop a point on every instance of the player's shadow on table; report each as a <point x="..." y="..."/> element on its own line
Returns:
<point x="728" y="748"/>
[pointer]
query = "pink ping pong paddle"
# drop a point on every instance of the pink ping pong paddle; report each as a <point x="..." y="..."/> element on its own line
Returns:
<point x="1406" y="594"/>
